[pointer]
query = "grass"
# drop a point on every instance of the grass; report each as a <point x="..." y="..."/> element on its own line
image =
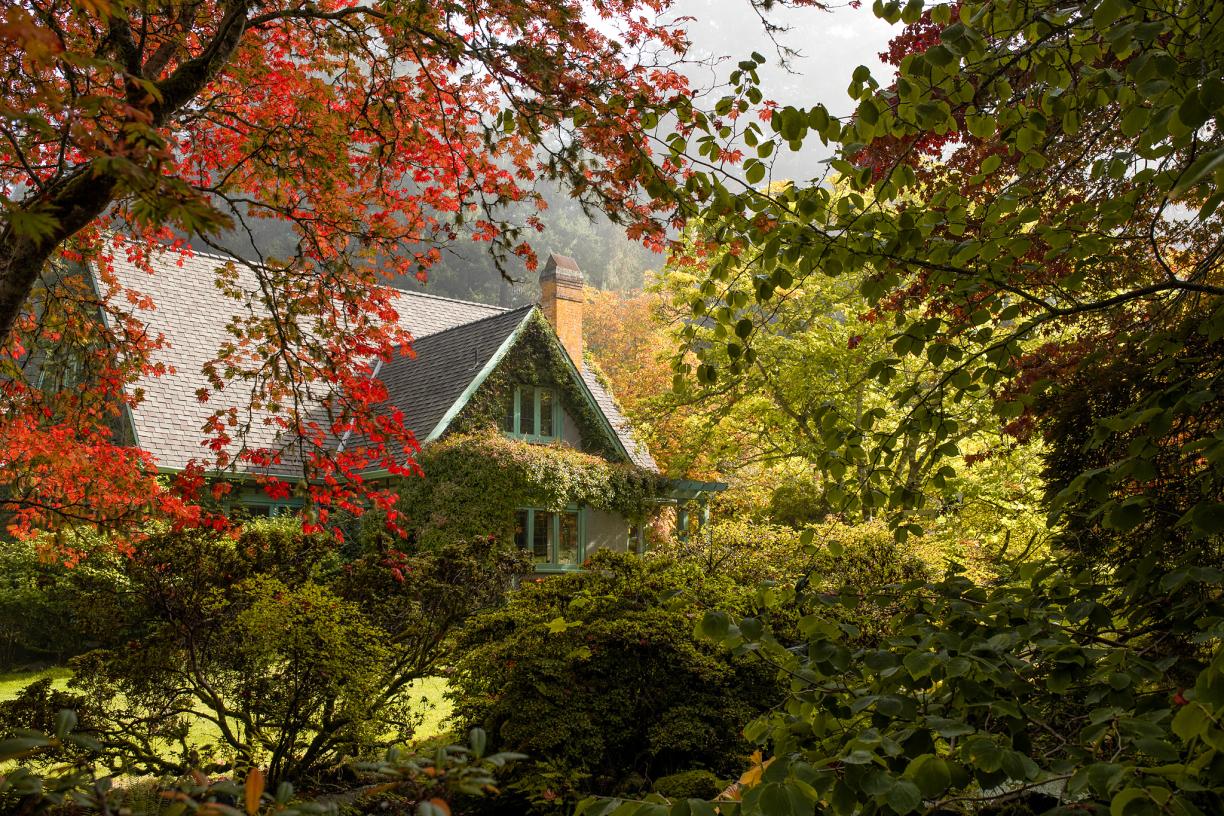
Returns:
<point x="427" y="694"/>
<point x="12" y="683"/>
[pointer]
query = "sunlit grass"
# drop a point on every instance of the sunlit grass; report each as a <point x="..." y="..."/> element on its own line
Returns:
<point x="428" y="695"/>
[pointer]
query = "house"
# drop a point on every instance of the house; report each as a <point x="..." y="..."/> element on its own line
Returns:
<point x="493" y="395"/>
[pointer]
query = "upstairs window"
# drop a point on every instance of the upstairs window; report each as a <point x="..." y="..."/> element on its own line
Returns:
<point x="533" y="413"/>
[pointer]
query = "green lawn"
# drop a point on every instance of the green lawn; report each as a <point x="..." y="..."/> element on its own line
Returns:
<point x="427" y="694"/>
<point x="11" y="684"/>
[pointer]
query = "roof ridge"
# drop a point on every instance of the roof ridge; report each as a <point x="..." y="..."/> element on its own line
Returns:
<point x="470" y="323"/>
<point x="499" y="309"/>
<point x="189" y="249"/>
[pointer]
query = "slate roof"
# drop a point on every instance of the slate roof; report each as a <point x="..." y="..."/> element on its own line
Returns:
<point x="445" y="364"/>
<point x="638" y="452"/>
<point x="453" y="339"/>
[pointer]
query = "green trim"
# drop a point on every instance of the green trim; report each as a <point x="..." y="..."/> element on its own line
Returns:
<point x="575" y="375"/>
<point x="689" y="489"/>
<point x="478" y="380"/>
<point x="554" y="544"/>
<point x="592" y="403"/>
<point x="537" y="397"/>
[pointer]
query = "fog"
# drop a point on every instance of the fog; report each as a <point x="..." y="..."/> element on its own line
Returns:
<point x="810" y="59"/>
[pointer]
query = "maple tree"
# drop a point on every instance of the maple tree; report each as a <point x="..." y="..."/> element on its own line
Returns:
<point x="627" y="337"/>
<point x="370" y="128"/>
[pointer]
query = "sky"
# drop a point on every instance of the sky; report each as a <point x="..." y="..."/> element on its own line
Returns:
<point x="832" y="43"/>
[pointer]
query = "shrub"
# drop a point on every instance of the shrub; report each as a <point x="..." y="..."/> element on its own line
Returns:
<point x="689" y="785"/>
<point x="598" y="678"/>
<point x="50" y="612"/>
<point x="275" y="649"/>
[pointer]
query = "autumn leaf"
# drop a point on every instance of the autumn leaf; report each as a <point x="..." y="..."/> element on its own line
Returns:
<point x="753" y="775"/>
<point x="254" y="790"/>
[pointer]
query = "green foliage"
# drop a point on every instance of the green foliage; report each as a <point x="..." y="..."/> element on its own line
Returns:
<point x="294" y="655"/>
<point x="409" y="781"/>
<point x="750" y="553"/>
<point x="804" y="413"/>
<point x="598" y="677"/>
<point x="1040" y="180"/>
<point x="474" y="482"/>
<point x="1047" y="684"/>
<point x="1026" y="222"/>
<point x="48" y="612"/>
<point x="689" y="785"/>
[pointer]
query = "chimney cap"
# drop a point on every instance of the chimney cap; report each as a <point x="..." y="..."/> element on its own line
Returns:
<point x="561" y="267"/>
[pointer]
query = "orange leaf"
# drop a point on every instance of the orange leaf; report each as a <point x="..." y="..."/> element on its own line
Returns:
<point x="254" y="790"/>
<point x="441" y="805"/>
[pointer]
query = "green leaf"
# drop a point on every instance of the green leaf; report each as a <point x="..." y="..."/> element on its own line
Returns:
<point x="930" y="773"/>
<point x="904" y="797"/>
<point x="11" y="748"/>
<point x="1200" y="169"/>
<point x="1121" y="804"/>
<point x="919" y="663"/>
<point x="65" y="721"/>
<point x="754" y="171"/>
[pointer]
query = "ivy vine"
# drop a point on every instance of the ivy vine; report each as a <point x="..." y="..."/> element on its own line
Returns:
<point x="536" y="359"/>
<point x="474" y="482"/>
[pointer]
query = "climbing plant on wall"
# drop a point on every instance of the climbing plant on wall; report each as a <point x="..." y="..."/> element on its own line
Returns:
<point x="537" y="359"/>
<point x="474" y="482"/>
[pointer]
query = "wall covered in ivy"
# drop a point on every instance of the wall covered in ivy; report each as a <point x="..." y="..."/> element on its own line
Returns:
<point x="536" y="359"/>
<point x="475" y="481"/>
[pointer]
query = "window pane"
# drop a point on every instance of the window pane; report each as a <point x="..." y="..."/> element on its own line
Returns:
<point x="508" y="419"/>
<point x="567" y="553"/>
<point x="527" y="425"/>
<point x="546" y="412"/>
<point x="541" y="538"/>
<point x="520" y="529"/>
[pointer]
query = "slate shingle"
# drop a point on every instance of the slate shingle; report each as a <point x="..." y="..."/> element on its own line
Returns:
<point x="427" y="385"/>
<point x="452" y="339"/>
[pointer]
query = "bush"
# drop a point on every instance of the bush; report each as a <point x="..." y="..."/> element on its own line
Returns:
<point x="49" y="611"/>
<point x="689" y="785"/>
<point x="274" y="649"/>
<point x="598" y="678"/>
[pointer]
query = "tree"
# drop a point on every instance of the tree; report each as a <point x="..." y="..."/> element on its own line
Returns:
<point x="795" y="413"/>
<point x="1036" y="191"/>
<point x="375" y="130"/>
<point x="1076" y="211"/>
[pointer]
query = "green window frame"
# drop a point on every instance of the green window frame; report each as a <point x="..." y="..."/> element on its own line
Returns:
<point x="556" y="541"/>
<point x="534" y="414"/>
<point x="269" y="508"/>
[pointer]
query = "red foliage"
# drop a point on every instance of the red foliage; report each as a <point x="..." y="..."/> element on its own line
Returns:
<point x="373" y="130"/>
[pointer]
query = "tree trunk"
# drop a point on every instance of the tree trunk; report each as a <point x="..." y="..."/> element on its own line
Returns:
<point x="74" y="202"/>
<point x="76" y="199"/>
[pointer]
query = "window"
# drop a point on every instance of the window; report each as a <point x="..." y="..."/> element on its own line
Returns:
<point x="533" y="413"/>
<point x="267" y="509"/>
<point x="554" y="540"/>
<point x="637" y="540"/>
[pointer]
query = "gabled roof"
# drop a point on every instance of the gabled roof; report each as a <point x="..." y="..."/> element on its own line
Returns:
<point x="457" y="344"/>
<point x="445" y="365"/>
<point x="637" y="452"/>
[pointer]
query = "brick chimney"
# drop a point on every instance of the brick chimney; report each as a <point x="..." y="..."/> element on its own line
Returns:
<point x="561" y="300"/>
